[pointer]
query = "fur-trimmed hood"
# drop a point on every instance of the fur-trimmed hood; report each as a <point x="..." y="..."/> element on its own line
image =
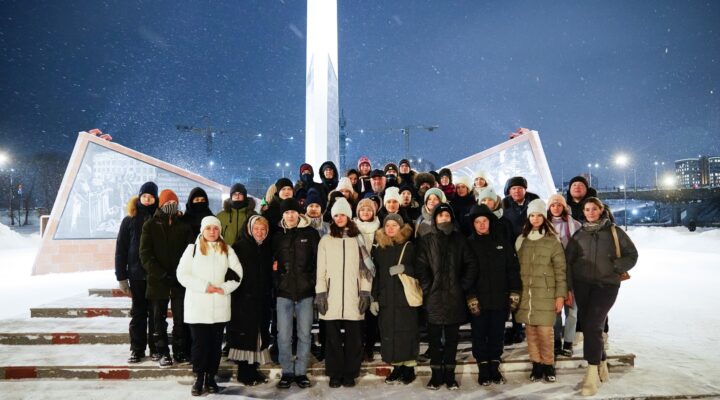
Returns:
<point x="383" y="240"/>
<point x="131" y="206"/>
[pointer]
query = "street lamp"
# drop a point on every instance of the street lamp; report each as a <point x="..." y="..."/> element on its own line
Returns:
<point x="669" y="181"/>
<point x="656" y="172"/>
<point x="282" y="167"/>
<point x="622" y="161"/>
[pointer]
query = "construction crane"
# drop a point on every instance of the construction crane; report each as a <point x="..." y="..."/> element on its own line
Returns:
<point x="206" y="131"/>
<point x="405" y="131"/>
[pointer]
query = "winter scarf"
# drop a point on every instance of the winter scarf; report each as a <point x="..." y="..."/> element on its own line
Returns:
<point x="367" y="230"/>
<point x="595" y="226"/>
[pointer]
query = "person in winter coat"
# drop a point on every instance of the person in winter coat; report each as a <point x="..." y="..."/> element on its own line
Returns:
<point x="249" y="327"/>
<point x="202" y="271"/>
<point x="236" y="211"/>
<point x="367" y="223"/>
<point x="488" y="197"/>
<point x="354" y="176"/>
<point x="391" y="175"/>
<point x="578" y="190"/>
<point x="391" y="205"/>
<point x="446" y="183"/>
<point x="196" y="208"/>
<point x="447" y="270"/>
<point x="425" y="223"/>
<point x="565" y="227"/>
<point x="343" y="285"/>
<point x="283" y="190"/>
<point x="314" y="211"/>
<point x="595" y="271"/>
<point x="406" y="176"/>
<point x="306" y="182"/>
<point x="377" y="185"/>
<point x="162" y="242"/>
<point x="294" y="270"/>
<point x="398" y="321"/>
<point x="329" y="177"/>
<point x="498" y="281"/>
<point x="515" y="205"/>
<point x="544" y="287"/>
<point x="423" y="182"/>
<point x="480" y="181"/>
<point x="408" y="203"/>
<point x="463" y="201"/>
<point x="364" y="169"/>
<point x="131" y="274"/>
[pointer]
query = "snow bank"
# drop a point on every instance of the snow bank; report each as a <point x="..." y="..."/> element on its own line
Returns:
<point x="676" y="238"/>
<point x="13" y="240"/>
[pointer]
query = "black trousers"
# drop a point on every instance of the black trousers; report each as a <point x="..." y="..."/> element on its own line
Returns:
<point x="594" y="302"/>
<point x="180" y="339"/>
<point x="488" y="334"/>
<point x="206" y="347"/>
<point x="371" y="332"/>
<point x="142" y="325"/>
<point x="443" y="355"/>
<point x="343" y="352"/>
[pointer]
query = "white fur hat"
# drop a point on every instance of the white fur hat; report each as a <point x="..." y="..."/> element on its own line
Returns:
<point x="462" y="180"/>
<point x="392" y="193"/>
<point x="537" y="206"/>
<point x="341" y="206"/>
<point x="208" y="221"/>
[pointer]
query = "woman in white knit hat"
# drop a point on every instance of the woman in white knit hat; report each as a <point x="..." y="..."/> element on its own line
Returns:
<point x="544" y="287"/>
<point x="559" y="214"/>
<point x="201" y="271"/>
<point x="342" y="288"/>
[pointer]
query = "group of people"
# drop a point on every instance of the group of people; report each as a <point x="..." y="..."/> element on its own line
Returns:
<point x="349" y="252"/>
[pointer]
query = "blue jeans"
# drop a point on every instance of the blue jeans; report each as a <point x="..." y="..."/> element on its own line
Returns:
<point x="303" y="311"/>
<point x="568" y="332"/>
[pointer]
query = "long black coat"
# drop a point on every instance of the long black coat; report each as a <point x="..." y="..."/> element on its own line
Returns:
<point x="161" y="246"/>
<point x="251" y="302"/>
<point x="127" y="246"/>
<point x="398" y="321"/>
<point x="447" y="270"/>
<point x="498" y="267"/>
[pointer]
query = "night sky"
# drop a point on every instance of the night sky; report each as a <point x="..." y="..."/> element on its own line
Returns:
<point x="595" y="78"/>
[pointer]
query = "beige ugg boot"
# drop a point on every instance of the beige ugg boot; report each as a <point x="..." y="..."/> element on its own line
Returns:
<point x="591" y="382"/>
<point x="603" y="371"/>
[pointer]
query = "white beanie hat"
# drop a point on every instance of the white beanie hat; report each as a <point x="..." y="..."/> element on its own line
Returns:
<point x="481" y="174"/>
<point x="437" y="192"/>
<point x="486" y="192"/>
<point x="462" y="180"/>
<point x="537" y="206"/>
<point x="341" y="206"/>
<point x="210" y="220"/>
<point x="392" y="193"/>
<point x="344" y="184"/>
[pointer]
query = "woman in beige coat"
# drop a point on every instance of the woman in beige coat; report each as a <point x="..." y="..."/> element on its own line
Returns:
<point x="342" y="296"/>
<point x="544" y="287"/>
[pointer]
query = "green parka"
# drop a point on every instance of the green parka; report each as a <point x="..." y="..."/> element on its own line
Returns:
<point x="543" y="275"/>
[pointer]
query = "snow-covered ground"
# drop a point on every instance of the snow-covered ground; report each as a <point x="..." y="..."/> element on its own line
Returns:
<point x="666" y="315"/>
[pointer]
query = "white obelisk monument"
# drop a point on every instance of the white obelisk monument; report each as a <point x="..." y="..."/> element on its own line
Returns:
<point x="322" y="130"/>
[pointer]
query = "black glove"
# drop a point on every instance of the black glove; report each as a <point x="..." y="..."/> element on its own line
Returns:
<point x="365" y="300"/>
<point x="321" y="302"/>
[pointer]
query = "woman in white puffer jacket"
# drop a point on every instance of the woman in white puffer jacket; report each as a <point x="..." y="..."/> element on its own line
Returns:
<point x="202" y="271"/>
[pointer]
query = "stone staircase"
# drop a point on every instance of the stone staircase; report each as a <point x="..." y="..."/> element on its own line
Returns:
<point x="86" y="337"/>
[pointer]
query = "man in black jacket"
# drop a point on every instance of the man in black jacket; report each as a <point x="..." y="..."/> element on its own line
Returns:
<point x="294" y="269"/>
<point x="130" y="273"/>
<point x="447" y="271"/>
<point x="498" y="281"/>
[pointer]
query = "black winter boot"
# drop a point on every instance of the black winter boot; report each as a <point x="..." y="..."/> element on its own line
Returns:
<point x="558" y="347"/>
<point x="136" y="356"/>
<point x="549" y="372"/>
<point x="408" y="375"/>
<point x="495" y="375"/>
<point x="537" y="372"/>
<point x="258" y="376"/>
<point x="197" y="387"/>
<point x="210" y="385"/>
<point x="567" y="350"/>
<point x="450" y="381"/>
<point x="244" y="374"/>
<point x="395" y="375"/>
<point x="436" y="380"/>
<point x="484" y="373"/>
